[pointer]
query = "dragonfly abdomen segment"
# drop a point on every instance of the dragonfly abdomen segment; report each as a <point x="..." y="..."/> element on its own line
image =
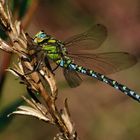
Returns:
<point x="106" y="80"/>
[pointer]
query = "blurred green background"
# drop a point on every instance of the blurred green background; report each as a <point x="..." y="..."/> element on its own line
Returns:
<point x="98" y="111"/>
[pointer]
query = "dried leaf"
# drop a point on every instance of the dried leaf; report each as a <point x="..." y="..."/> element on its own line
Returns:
<point x="29" y="111"/>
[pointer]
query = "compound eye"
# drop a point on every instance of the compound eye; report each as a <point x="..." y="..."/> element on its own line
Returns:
<point x="42" y="35"/>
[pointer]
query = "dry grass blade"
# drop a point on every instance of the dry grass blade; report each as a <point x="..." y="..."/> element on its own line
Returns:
<point x="23" y="47"/>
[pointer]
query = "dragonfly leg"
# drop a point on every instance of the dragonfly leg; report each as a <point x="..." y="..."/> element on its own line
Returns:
<point x="36" y="65"/>
<point x="47" y="63"/>
<point x="25" y="59"/>
<point x="55" y="68"/>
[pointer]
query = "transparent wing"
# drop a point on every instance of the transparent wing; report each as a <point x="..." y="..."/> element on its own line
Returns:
<point x="91" y="39"/>
<point x="105" y="63"/>
<point x="72" y="78"/>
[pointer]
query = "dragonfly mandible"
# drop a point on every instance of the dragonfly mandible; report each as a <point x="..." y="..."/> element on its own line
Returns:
<point x="73" y="57"/>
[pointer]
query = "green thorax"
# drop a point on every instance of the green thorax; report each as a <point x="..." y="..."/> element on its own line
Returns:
<point x="54" y="49"/>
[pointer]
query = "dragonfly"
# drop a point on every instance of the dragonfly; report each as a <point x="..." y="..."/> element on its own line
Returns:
<point x="75" y="55"/>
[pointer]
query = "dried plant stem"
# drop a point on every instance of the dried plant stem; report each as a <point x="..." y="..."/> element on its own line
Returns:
<point x="19" y="45"/>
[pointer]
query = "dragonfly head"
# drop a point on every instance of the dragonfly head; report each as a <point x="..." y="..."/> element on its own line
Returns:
<point x="40" y="37"/>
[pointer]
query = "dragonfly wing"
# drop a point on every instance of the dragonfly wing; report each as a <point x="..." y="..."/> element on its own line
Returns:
<point x="105" y="63"/>
<point x="72" y="78"/>
<point x="89" y="40"/>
